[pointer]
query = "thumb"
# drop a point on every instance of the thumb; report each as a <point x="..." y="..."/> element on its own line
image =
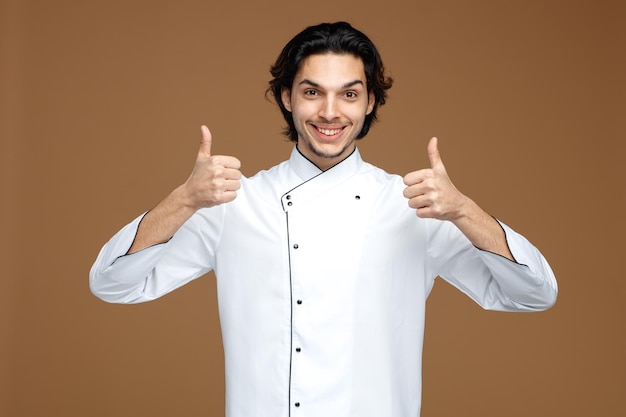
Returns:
<point x="433" y="153"/>
<point x="205" y="142"/>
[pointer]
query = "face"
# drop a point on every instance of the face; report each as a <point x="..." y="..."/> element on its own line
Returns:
<point x="328" y="102"/>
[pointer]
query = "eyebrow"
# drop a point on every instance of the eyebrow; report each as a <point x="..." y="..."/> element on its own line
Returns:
<point x="316" y="85"/>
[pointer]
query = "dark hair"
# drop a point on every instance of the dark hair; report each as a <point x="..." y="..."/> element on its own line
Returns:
<point x="339" y="38"/>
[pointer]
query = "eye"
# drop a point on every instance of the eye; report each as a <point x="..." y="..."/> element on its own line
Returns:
<point x="351" y="94"/>
<point x="310" y="92"/>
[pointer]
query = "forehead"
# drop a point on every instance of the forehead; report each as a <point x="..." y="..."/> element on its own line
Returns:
<point x="331" y="69"/>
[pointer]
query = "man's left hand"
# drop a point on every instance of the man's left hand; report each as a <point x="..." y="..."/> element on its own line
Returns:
<point x="430" y="191"/>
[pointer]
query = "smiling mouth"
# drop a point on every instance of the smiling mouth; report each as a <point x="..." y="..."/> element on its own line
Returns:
<point x="329" y="132"/>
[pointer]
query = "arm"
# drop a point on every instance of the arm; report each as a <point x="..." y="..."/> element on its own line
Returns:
<point x="168" y="246"/>
<point x="433" y="195"/>
<point x="491" y="280"/>
<point x="213" y="181"/>
<point x="502" y="270"/>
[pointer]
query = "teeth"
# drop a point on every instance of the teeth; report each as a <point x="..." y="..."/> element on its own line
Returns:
<point x="329" y="132"/>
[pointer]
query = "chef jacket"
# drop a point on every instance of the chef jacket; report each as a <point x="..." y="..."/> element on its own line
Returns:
<point x="322" y="281"/>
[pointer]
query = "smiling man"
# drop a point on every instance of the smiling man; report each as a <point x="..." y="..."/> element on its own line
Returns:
<point x="328" y="104"/>
<point x="323" y="262"/>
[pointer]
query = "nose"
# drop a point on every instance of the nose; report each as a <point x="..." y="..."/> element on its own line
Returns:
<point x="329" y="109"/>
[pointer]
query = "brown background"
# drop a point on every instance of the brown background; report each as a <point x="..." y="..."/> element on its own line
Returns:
<point x="100" y="114"/>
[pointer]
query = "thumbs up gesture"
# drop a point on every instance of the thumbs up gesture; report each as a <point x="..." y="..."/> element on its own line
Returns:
<point x="431" y="192"/>
<point x="214" y="179"/>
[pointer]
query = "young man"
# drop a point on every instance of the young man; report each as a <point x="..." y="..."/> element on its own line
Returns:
<point x="324" y="262"/>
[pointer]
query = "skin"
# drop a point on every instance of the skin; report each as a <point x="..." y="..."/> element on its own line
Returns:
<point x="431" y="193"/>
<point x="328" y="101"/>
<point x="213" y="181"/>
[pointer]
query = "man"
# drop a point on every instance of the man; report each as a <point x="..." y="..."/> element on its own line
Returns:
<point x="324" y="262"/>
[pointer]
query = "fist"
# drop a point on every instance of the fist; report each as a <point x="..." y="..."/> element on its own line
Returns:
<point x="215" y="178"/>
<point x="430" y="191"/>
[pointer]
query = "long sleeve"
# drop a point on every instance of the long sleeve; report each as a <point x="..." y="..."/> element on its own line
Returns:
<point x="492" y="281"/>
<point x="116" y="277"/>
<point x="322" y="282"/>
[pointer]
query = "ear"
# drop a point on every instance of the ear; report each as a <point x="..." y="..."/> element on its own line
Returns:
<point x="285" y="95"/>
<point x="371" y="101"/>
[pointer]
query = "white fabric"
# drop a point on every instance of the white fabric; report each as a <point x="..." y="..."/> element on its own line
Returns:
<point x="322" y="282"/>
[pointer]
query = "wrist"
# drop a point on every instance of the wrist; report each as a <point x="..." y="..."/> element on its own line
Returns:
<point x="183" y="199"/>
<point x="467" y="210"/>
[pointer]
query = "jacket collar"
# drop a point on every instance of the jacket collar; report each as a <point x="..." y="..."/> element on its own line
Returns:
<point x="306" y="170"/>
<point x="314" y="180"/>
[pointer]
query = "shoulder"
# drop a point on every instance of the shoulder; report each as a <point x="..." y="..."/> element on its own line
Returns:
<point x="267" y="178"/>
<point x="385" y="190"/>
<point x="265" y="186"/>
<point x="378" y="176"/>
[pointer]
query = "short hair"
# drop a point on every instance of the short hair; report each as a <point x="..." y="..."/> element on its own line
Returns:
<point x="339" y="38"/>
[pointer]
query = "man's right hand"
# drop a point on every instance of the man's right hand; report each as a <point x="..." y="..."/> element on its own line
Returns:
<point x="215" y="178"/>
<point x="214" y="181"/>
